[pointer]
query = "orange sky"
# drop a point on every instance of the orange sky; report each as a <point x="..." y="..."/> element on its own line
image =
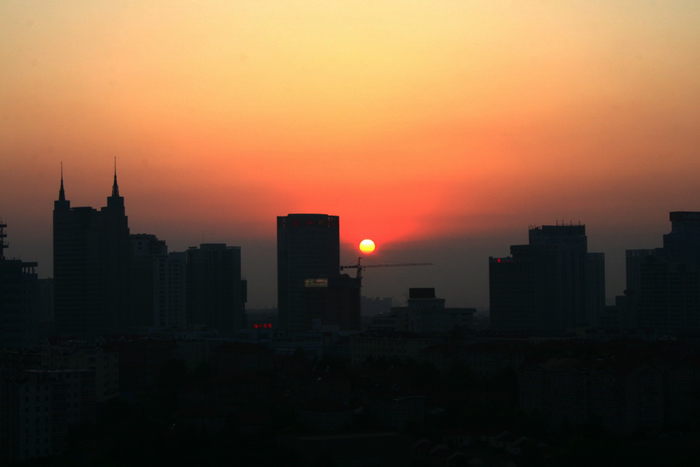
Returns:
<point x="421" y="124"/>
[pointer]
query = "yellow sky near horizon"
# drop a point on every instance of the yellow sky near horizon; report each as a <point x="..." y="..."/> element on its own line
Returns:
<point x="409" y="119"/>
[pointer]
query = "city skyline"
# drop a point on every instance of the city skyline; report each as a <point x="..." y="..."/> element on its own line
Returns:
<point x="424" y="279"/>
<point x="441" y="131"/>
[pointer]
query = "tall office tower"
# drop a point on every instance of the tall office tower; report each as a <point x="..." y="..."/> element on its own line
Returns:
<point x="92" y="254"/>
<point x="147" y="252"/>
<point x="308" y="247"/>
<point x="549" y="285"/>
<point x="663" y="284"/>
<point x="216" y="294"/>
<point x="19" y="300"/>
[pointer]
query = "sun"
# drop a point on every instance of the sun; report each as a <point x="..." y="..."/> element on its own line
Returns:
<point x="367" y="246"/>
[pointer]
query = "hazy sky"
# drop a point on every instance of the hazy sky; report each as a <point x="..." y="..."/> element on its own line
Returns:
<point x="441" y="129"/>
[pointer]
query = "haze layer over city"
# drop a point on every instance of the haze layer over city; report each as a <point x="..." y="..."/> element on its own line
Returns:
<point x="441" y="130"/>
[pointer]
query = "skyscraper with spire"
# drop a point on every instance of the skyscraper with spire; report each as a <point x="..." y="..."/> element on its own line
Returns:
<point x="91" y="266"/>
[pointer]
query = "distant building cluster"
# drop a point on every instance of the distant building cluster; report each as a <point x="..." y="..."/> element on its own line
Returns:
<point x="554" y="286"/>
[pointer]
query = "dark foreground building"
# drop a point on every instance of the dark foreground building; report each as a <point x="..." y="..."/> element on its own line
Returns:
<point x="333" y="301"/>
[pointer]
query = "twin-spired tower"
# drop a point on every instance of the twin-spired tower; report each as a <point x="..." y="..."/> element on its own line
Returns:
<point x="91" y="257"/>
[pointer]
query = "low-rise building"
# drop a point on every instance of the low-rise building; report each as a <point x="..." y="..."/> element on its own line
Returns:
<point x="38" y="407"/>
<point x="426" y="314"/>
<point x="625" y="394"/>
<point x="387" y="345"/>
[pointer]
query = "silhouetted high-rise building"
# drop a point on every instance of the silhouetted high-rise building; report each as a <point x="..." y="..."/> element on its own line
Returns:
<point x="147" y="253"/>
<point x="159" y="284"/>
<point x="663" y="284"/>
<point x="19" y="300"/>
<point x="91" y="267"/>
<point x="308" y="247"/>
<point x="549" y="285"/>
<point x="216" y="294"/>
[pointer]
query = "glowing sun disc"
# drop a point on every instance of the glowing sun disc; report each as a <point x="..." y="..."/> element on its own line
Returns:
<point x="367" y="246"/>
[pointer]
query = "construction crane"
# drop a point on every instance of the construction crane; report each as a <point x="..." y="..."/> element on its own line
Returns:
<point x="360" y="266"/>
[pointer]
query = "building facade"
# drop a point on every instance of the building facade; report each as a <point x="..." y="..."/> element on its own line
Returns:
<point x="159" y="280"/>
<point x="147" y="252"/>
<point x="308" y="247"/>
<point x="38" y="408"/>
<point x="332" y="302"/>
<point x="171" y="292"/>
<point x="624" y="394"/>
